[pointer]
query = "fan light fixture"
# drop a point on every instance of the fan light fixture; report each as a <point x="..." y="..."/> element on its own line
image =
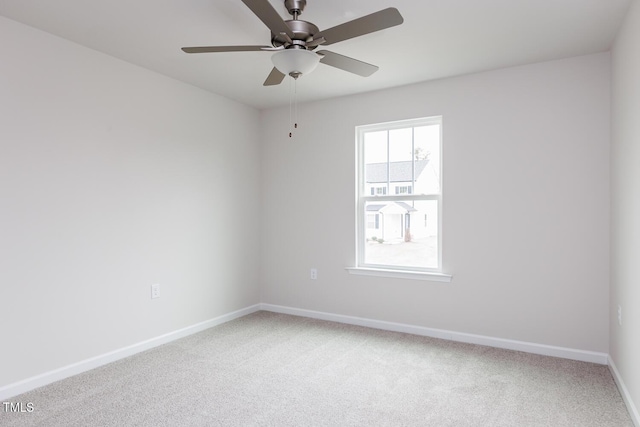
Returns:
<point x="295" y="62"/>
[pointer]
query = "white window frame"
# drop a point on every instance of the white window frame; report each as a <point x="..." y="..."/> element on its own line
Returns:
<point x="362" y="197"/>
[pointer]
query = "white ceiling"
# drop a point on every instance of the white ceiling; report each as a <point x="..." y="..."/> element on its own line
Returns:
<point x="439" y="38"/>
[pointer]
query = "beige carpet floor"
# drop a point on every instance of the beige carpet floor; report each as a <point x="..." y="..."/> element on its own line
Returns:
<point x="270" y="369"/>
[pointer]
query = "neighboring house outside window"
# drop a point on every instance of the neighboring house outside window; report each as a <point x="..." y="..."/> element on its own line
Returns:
<point x="400" y="229"/>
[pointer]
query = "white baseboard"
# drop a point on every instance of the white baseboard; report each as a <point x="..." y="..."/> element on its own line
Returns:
<point x="546" y="350"/>
<point x="29" y="384"/>
<point x="631" y="407"/>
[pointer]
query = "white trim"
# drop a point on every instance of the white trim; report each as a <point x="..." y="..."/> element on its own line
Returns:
<point x="401" y="197"/>
<point x="631" y="407"/>
<point x="29" y="384"/>
<point x="362" y="197"/>
<point x="401" y="274"/>
<point x="542" y="349"/>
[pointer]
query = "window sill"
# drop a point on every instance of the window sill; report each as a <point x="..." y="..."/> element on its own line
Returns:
<point x="415" y="275"/>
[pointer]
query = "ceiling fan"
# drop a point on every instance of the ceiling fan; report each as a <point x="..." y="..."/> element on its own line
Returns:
<point x="295" y="40"/>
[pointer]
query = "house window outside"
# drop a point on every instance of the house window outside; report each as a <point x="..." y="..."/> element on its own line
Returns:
<point x="403" y="156"/>
<point x="406" y="189"/>
<point x="373" y="221"/>
<point x="379" y="191"/>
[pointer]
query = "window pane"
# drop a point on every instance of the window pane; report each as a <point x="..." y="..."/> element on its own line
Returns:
<point x="375" y="147"/>
<point x="400" y="145"/>
<point x="376" y="165"/>
<point x="406" y="234"/>
<point x="427" y="156"/>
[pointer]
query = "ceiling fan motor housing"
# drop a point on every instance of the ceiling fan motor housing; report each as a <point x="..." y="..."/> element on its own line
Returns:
<point x="302" y="31"/>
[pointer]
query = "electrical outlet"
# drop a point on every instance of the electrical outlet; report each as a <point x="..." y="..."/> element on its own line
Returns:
<point x="314" y="274"/>
<point x="155" y="290"/>
<point x="620" y="315"/>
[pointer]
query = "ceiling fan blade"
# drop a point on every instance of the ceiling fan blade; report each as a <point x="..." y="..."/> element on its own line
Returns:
<point x="347" y="64"/>
<point x="274" y="78"/>
<point x="209" y="49"/>
<point x="377" y="21"/>
<point x="268" y="15"/>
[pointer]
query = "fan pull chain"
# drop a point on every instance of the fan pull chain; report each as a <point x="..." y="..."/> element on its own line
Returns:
<point x="290" y="113"/>
<point x="295" y="104"/>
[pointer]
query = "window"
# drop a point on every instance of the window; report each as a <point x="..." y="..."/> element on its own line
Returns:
<point x="393" y="232"/>
<point x="380" y="191"/>
<point x="406" y="189"/>
<point x="373" y="221"/>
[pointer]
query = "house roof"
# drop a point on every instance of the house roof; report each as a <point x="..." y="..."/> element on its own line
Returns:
<point x="407" y="206"/>
<point x="375" y="208"/>
<point x="399" y="171"/>
<point x="378" y="206"/>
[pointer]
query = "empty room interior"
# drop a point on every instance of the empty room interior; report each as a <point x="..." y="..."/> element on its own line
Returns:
<point x="151" y="194"/>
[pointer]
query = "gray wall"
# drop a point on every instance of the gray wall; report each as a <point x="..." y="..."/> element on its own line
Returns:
<point x="526" y="213"/>
<point x="113" y="178"/>
<point x="625" y="204"/>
